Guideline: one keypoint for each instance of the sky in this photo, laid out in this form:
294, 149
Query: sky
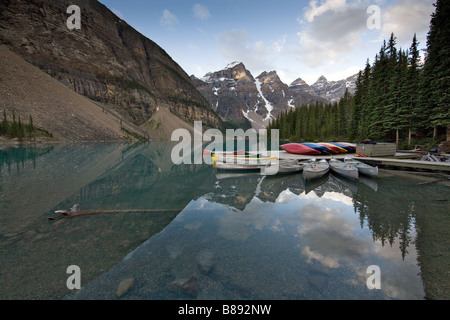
297, 39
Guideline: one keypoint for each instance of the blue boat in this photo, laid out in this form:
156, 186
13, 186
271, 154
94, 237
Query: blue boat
317, 147
349, 149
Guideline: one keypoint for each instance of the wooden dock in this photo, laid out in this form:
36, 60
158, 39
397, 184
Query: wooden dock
400, 160
406, 163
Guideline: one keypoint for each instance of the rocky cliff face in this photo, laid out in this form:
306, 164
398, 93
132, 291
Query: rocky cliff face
106, 60
231, 92
333, 91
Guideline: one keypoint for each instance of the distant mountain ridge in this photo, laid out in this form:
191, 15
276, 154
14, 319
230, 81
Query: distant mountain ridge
235, 94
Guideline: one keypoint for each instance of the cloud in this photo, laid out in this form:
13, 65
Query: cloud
280, 44
237, 45
168, 19
201, 12
329, 5
406, 17
332, 29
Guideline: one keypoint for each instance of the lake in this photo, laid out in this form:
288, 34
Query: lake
191, 232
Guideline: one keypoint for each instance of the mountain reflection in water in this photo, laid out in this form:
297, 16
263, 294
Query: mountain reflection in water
236, 236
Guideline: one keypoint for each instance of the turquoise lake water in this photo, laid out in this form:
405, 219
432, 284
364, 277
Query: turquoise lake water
216, 235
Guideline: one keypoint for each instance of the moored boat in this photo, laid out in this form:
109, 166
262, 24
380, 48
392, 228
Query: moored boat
286, 167
266, 168
363, 168
316, 146
313, 169
299, 148
347, 170
330, 149
347, 148
333, 147
352, 146
227, 153
256, 159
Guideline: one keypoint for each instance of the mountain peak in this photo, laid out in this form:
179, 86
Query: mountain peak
271, 74
298, 82
269, 77
234, 64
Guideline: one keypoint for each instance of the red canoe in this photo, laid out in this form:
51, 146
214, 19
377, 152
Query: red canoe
333, 148
299, 148
330, 149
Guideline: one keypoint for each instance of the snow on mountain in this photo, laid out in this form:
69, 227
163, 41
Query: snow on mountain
333, 91
268, 106
236, 95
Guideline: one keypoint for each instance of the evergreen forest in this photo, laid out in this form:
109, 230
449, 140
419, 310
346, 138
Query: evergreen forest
400, 97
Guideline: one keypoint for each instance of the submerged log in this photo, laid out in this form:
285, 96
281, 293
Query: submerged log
434, 181
64, 215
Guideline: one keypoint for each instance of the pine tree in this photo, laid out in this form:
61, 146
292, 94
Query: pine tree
20, 130
437, 67
298, 123
30, 126
14, 129
377, 95
413, 87
356, 112
4, 125
342, 114
394, 95
397, 110
363, 100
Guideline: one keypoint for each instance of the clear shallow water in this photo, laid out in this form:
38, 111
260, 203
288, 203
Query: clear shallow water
226, 236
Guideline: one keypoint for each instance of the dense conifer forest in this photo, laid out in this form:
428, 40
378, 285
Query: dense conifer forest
401, 96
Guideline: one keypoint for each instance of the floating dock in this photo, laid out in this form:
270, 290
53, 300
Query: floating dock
400, 160
405, 163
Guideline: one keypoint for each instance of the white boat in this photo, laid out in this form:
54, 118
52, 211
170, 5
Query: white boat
288, 167
253, 159
363, 168
266, 168
347, 170
223, 153
313, 169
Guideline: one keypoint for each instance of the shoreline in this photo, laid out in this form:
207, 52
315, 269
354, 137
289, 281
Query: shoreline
39, 141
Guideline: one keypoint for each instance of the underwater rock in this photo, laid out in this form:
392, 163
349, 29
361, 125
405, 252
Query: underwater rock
124, 287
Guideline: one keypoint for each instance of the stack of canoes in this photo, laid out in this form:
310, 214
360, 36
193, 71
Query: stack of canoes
309, 148
300, 148
350, 168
